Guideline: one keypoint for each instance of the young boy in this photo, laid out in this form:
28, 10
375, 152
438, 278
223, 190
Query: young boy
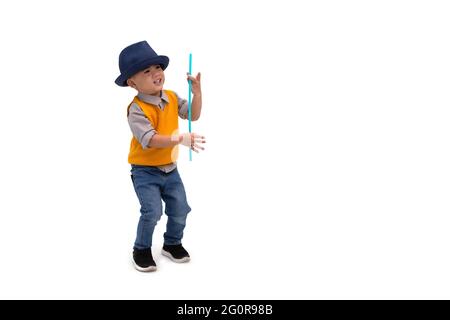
153, 119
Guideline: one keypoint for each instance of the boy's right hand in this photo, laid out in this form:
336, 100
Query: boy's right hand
192, 140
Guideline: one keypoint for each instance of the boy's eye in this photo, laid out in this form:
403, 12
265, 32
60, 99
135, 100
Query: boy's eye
147, 71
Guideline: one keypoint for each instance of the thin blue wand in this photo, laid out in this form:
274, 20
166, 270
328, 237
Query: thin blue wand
190, 102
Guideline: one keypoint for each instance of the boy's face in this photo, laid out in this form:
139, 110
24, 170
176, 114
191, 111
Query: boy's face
149, 81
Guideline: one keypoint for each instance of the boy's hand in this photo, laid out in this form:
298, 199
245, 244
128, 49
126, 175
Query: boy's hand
196, 85
190, 140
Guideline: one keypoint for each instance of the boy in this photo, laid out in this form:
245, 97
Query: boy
153, 119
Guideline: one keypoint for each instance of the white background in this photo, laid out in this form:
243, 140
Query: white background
326, 173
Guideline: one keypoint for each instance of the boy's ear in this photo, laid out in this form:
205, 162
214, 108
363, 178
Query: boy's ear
131, 83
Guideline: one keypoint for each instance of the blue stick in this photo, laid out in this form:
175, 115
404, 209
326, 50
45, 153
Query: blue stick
189, 102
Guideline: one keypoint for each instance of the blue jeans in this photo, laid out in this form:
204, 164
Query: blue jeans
152, 185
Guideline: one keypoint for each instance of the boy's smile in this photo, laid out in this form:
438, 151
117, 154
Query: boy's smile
149, 81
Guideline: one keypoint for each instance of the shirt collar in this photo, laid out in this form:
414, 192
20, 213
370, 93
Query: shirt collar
155, 100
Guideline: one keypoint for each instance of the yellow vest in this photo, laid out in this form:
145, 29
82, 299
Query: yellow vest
165, 122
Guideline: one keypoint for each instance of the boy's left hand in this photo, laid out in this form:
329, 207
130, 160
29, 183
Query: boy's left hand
196, 86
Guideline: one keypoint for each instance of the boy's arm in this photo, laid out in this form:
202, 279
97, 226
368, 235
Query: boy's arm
140, 126
148, 137
144, 131
162, 141
190, 140
196, 106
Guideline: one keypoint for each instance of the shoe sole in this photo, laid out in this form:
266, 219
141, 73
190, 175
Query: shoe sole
147, 269
168, 255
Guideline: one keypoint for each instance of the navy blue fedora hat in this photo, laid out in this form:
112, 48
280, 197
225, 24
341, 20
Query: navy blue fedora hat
135, 58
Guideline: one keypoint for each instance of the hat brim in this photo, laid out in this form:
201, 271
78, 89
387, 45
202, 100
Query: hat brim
121, 80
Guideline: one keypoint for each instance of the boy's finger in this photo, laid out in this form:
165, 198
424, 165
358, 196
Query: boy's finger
202, 140
197, 146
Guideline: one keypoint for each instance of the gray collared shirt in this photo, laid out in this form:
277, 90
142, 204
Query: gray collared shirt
141, 126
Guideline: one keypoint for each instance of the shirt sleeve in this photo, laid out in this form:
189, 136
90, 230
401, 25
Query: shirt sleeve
182, 107
140, 125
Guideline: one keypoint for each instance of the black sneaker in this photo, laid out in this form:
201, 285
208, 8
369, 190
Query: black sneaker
176, 253
143, 260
